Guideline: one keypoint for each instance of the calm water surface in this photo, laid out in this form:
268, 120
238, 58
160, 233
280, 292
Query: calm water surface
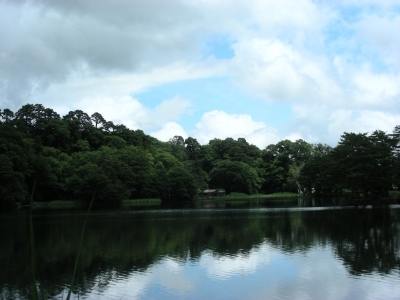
220, 252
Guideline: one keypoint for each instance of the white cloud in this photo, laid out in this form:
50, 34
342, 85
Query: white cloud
294, 136
377, 36
133, 114
83, 85
337, 120
376, 90
333, 67
368, 121
168, 131
124, 110
333, 92
219, 124
275, 71
170, 109
263, 137
322, 124
265, 67
292, 17
361, 121
46, 41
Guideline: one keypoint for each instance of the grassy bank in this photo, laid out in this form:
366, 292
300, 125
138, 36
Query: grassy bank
394, 194
58, 204
141, 202
242, 196
236, 197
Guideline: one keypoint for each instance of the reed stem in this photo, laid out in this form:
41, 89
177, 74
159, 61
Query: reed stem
35, 295
80, 247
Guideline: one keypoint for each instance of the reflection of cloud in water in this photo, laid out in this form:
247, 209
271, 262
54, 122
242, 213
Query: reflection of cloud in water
131, 287
225, 267
170, 274
265, 270
167, 273
319, 276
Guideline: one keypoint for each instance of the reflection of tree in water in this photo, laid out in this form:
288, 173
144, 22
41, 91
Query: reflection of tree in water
366, 240
289, 232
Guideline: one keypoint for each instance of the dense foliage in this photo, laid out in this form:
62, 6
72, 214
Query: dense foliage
70, 157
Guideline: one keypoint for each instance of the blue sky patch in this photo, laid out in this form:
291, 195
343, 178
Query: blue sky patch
215, 94
219, 46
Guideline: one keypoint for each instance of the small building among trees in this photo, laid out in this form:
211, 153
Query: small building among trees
214, 192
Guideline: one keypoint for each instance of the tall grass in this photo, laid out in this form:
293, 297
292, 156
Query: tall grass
35, 292
78, 254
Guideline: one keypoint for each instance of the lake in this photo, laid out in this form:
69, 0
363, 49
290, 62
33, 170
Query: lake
214, 250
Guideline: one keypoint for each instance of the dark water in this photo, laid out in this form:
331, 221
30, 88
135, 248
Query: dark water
223, 252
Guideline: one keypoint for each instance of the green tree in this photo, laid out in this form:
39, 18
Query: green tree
234, 176
294, 176
314, 175
58, 164
233, 150
193, 149
364, 164
6, 116
140, 164
180, 185
97, 119
55, 133
114, 142
32, 119
108, 127
81, 117
13, 146
383, 161
283, 163
193, 165
101, 170
177, 144
396, 156
12, 189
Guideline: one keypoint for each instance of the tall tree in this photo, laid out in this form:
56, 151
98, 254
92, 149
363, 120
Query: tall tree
33, 118
6, 116
177, 144
12, 189
193, 148
283, 163
80, 116
97, 120
180, 185
364, 164
396, 154
234, 176
314, 175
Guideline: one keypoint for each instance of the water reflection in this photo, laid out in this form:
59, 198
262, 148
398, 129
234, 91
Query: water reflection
269, 203
200, 253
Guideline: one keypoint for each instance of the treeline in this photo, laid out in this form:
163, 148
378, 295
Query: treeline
69, 157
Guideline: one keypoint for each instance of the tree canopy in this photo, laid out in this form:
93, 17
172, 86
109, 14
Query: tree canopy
71, 156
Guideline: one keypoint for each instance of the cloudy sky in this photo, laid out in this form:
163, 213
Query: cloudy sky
265, 70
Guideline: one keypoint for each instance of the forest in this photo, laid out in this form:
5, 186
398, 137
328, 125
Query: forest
70, 157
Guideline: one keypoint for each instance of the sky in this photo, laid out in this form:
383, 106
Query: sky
263, 70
